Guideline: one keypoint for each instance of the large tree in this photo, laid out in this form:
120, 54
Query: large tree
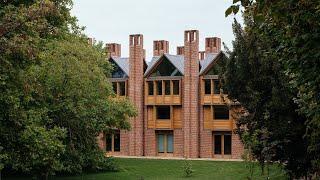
55, 96
286, 36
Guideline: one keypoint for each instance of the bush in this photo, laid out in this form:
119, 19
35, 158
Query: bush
188, 171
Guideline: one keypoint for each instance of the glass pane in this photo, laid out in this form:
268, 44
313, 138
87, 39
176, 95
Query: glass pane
163, 112
122, 86
221, 112
207, 86
227, 144
176, 87
167, 87
159, 87
160, 143
170, 143
216, 87
217, 144
114, 87
108, 142
150, 87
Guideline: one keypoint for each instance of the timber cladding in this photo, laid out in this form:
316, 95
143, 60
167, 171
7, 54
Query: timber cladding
181, 109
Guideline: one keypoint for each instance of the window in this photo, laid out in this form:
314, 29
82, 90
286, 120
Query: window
122, 88
159, 87
150, 88
176, 87
113, 142
167, 87
222, 143
163, 112
165, 142
119, 88
216, 85
207, 86
114, 87
220, 112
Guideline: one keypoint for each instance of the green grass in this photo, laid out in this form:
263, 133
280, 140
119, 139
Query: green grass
173, 169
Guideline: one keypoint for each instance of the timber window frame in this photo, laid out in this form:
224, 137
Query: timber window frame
120, 88
113, 141
221, 112
222, 143
165, 142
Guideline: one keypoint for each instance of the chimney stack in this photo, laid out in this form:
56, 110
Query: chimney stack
91, 41
213, 45
160, 47
113, 50
201, 55
190, 93
180, 50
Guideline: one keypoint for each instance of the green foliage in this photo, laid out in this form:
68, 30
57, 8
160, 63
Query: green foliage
286, 35
187, 168
55, 97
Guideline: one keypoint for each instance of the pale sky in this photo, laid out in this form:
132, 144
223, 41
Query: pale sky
114, 20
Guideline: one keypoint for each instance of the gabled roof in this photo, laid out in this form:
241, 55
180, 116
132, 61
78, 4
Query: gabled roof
176, 60
123, 63
208, 61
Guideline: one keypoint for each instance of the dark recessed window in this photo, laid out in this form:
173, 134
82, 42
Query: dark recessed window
150, 88
159, 87
207, 86
114, 87
167, 87
163, 112
109, 142
116, 141
216, 86
217, 144
227, 144
165, 143
113, 142
122, 88
221, 112
176, 87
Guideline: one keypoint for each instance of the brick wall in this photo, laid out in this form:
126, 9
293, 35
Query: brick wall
136, 60
190, 94
160, 47
113, 50
213, 45
237, 147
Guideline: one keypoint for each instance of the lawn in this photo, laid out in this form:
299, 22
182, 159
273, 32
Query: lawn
173, 169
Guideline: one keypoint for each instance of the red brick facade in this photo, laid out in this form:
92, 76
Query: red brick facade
192, 139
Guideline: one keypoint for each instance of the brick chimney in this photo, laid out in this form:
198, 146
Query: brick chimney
160, 47
180, 50
213, 45
190, 89
136, 81
113, 49
201, 55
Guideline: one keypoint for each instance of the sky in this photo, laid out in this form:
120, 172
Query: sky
112, 21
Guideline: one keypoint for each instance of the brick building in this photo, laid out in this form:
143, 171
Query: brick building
182, 111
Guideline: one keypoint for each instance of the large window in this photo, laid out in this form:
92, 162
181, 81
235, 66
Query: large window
163, 112
167, 87
216, 87
220, 113
207, 86
113, 142
165, 142
159, 87
222, 143
150, 88
176, 87
119, 88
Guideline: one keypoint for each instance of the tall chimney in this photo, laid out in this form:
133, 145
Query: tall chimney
136, 81
213, 45
113, 50
180, 50
190, 89
91, 41
201, 55
160, 47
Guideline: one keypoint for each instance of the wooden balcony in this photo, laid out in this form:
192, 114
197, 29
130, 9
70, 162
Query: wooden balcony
172, 122
217, 124
163, 91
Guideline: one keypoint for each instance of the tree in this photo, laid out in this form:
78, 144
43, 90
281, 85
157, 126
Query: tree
257, 80
294, 29
54, 91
